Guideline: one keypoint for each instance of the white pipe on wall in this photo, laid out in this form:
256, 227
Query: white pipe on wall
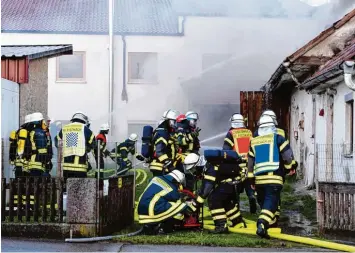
111, 8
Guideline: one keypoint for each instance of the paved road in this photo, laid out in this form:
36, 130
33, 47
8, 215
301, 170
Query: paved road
37, 245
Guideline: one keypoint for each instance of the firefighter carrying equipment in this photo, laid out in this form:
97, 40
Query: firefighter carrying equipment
160, 200
219, 187
123, 150
164, 150
78, 140
101, 137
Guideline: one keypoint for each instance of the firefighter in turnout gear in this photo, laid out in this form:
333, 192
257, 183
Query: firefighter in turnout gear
160, 207
123, 150
104, 130
265, 173
238, 139
220, 178
283, 134
49, 165
19, 148
164, 145
39, 146
78, 140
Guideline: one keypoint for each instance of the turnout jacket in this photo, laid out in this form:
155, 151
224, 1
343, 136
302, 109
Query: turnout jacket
186, 141
265, 156
159, 201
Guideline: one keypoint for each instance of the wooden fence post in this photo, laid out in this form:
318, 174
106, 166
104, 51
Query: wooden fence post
44, 199
3, 198
11, 203
60, 199
36, 199
28, 198
52, 200
19, 199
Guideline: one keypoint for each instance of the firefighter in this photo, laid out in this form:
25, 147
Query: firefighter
39, 146
238, 139
188, 133
164, 144
283, 134
160, 207
104, 130
78, 141
18, 146
265, 173
48, 165
220, 177
123, 150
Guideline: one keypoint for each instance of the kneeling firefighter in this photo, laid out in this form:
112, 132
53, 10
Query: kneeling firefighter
160, 207
265, 173
161, 147
220, 178
238, 139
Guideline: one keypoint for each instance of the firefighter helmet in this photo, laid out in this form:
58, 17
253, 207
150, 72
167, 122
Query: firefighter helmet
192, 117
180, 118
133, 137
190, 162
271, 114
178, 176
80, 116
28, 118
171, 116
103, 127
266, 121
37, 116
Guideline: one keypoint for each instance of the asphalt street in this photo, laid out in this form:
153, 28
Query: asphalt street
38, 245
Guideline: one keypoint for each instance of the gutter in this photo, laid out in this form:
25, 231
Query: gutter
124, 95
322, 78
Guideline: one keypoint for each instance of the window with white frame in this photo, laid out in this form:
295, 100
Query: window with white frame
349, 127
71, 68
142, 67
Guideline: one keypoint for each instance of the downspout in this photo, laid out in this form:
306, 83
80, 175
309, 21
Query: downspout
111, 61
349, 70
124, 95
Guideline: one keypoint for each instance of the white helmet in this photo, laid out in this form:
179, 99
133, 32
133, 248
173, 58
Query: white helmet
178, 176
103, 127
80, 116
192, 117
266, 121
28, 118
237, 120
190, 162
271, 114
171, 115
37, 116
133, 137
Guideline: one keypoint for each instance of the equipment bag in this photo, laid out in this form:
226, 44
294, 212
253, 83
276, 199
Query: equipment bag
147, 139
222, 156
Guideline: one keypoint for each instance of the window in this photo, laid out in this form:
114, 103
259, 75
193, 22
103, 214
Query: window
71, 68
142, 67
349, 127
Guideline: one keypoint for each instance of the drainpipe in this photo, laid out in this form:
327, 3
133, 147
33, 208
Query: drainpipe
124, 95
349, 70
111, 61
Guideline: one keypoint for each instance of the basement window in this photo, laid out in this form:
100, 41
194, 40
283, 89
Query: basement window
349, 128
71, 68
142, 68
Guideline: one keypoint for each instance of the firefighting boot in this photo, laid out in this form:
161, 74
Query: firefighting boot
252, 205
239, 223
220, 227
262, 231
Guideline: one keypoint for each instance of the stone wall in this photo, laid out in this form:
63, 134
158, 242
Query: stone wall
34, 94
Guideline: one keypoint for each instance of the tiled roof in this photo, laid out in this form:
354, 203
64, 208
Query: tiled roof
88, 16
34, 52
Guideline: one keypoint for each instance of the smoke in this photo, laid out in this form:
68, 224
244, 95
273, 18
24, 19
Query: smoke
240, 50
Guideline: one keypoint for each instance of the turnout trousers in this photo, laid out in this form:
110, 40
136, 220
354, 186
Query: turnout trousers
268, 196
223, 205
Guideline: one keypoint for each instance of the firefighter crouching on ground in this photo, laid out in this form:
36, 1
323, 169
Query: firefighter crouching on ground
160, 207
164, 145
221, 175
39, 146
238, 139
123, 150
78, 141
104, 130
19, 144
283, 134
265, 173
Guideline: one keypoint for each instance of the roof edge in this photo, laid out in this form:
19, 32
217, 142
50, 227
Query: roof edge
65, 49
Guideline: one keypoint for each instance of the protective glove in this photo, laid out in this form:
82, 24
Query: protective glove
129, 164
196, 133
140, 157
168, 165
49, 166
107, 153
